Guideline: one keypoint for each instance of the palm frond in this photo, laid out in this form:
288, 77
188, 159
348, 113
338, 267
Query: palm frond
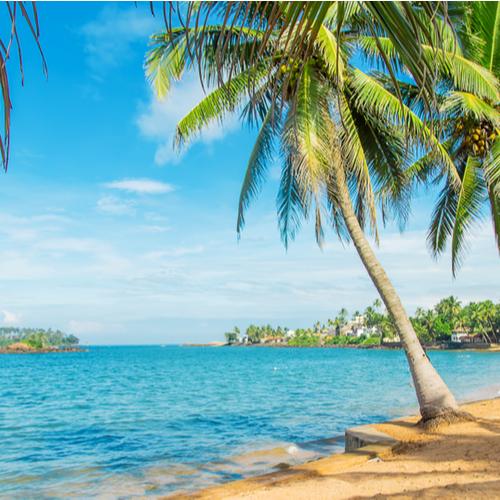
15, 10
467, 104
442, 220
216, 105
303, 141
305, 127
164, 64
292, 202
257, 167
491, 169
470, 198
387, 155
331, 54
293, 28
354, 154
465, 74
372, 97
482, 35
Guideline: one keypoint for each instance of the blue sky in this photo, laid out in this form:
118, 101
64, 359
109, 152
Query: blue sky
108, 234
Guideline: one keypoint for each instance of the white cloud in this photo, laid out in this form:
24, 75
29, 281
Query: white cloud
176, 252
109, 39
140, 186
159, 120
73, 244
155, 229
10, 318
115, 206
78, 327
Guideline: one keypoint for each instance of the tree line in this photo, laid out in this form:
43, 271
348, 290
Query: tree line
432, 325
37, 338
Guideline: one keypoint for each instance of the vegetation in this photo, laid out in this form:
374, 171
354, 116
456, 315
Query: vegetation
468, 118
344, 135
374, 327
37, 338
475, 318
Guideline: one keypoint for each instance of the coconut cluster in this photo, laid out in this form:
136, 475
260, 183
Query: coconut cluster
478, 136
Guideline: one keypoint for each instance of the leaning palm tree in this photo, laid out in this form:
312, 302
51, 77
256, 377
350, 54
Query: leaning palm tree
341, 134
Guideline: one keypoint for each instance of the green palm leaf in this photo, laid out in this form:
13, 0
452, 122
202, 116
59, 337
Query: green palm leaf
442, 220
327, 43
372, 97
292, 202
483, 36
352, 149
464, 103
491, 168
470, 199
257, 167
465, 74
304, 144
216, 105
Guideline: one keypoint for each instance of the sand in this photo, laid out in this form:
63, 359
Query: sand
457, 461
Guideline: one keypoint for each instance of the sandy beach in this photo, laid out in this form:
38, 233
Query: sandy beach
457, 461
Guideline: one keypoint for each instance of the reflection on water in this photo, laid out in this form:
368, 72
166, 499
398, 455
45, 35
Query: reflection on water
136, 421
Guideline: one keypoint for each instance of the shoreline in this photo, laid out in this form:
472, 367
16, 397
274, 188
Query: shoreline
396, 444
457, 348
42, 351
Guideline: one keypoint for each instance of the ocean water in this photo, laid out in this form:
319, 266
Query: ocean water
147, 421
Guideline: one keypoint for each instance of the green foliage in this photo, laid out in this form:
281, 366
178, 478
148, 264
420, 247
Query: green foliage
314, 109
431, 325
369, 341
36, 337
448, 315
233, 337
304, 338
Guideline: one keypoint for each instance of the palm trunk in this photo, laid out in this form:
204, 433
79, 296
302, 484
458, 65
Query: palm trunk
434, 397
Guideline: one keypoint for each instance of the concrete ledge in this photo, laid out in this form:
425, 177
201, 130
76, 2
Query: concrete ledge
365, 435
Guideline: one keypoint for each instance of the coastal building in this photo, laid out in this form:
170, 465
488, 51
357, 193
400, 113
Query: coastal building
358, 328
459, 336
465, 338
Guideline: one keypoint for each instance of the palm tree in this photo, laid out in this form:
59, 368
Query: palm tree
339, 132
470, 129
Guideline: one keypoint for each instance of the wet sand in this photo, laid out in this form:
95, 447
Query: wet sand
457, 461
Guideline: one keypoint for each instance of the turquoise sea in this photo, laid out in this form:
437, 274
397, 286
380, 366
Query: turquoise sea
149, 420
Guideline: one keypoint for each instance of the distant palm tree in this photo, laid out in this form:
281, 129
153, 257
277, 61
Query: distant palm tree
341, 134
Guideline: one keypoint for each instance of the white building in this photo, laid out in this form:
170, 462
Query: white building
459, 336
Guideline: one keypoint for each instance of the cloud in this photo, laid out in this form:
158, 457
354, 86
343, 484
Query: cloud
141, 186
155, 229
78, 327
159, 120
73, 244
176, 252
111, 37
115, 206
10, 318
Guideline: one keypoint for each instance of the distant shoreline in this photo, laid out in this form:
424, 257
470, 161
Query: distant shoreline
387, 347
42, 351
